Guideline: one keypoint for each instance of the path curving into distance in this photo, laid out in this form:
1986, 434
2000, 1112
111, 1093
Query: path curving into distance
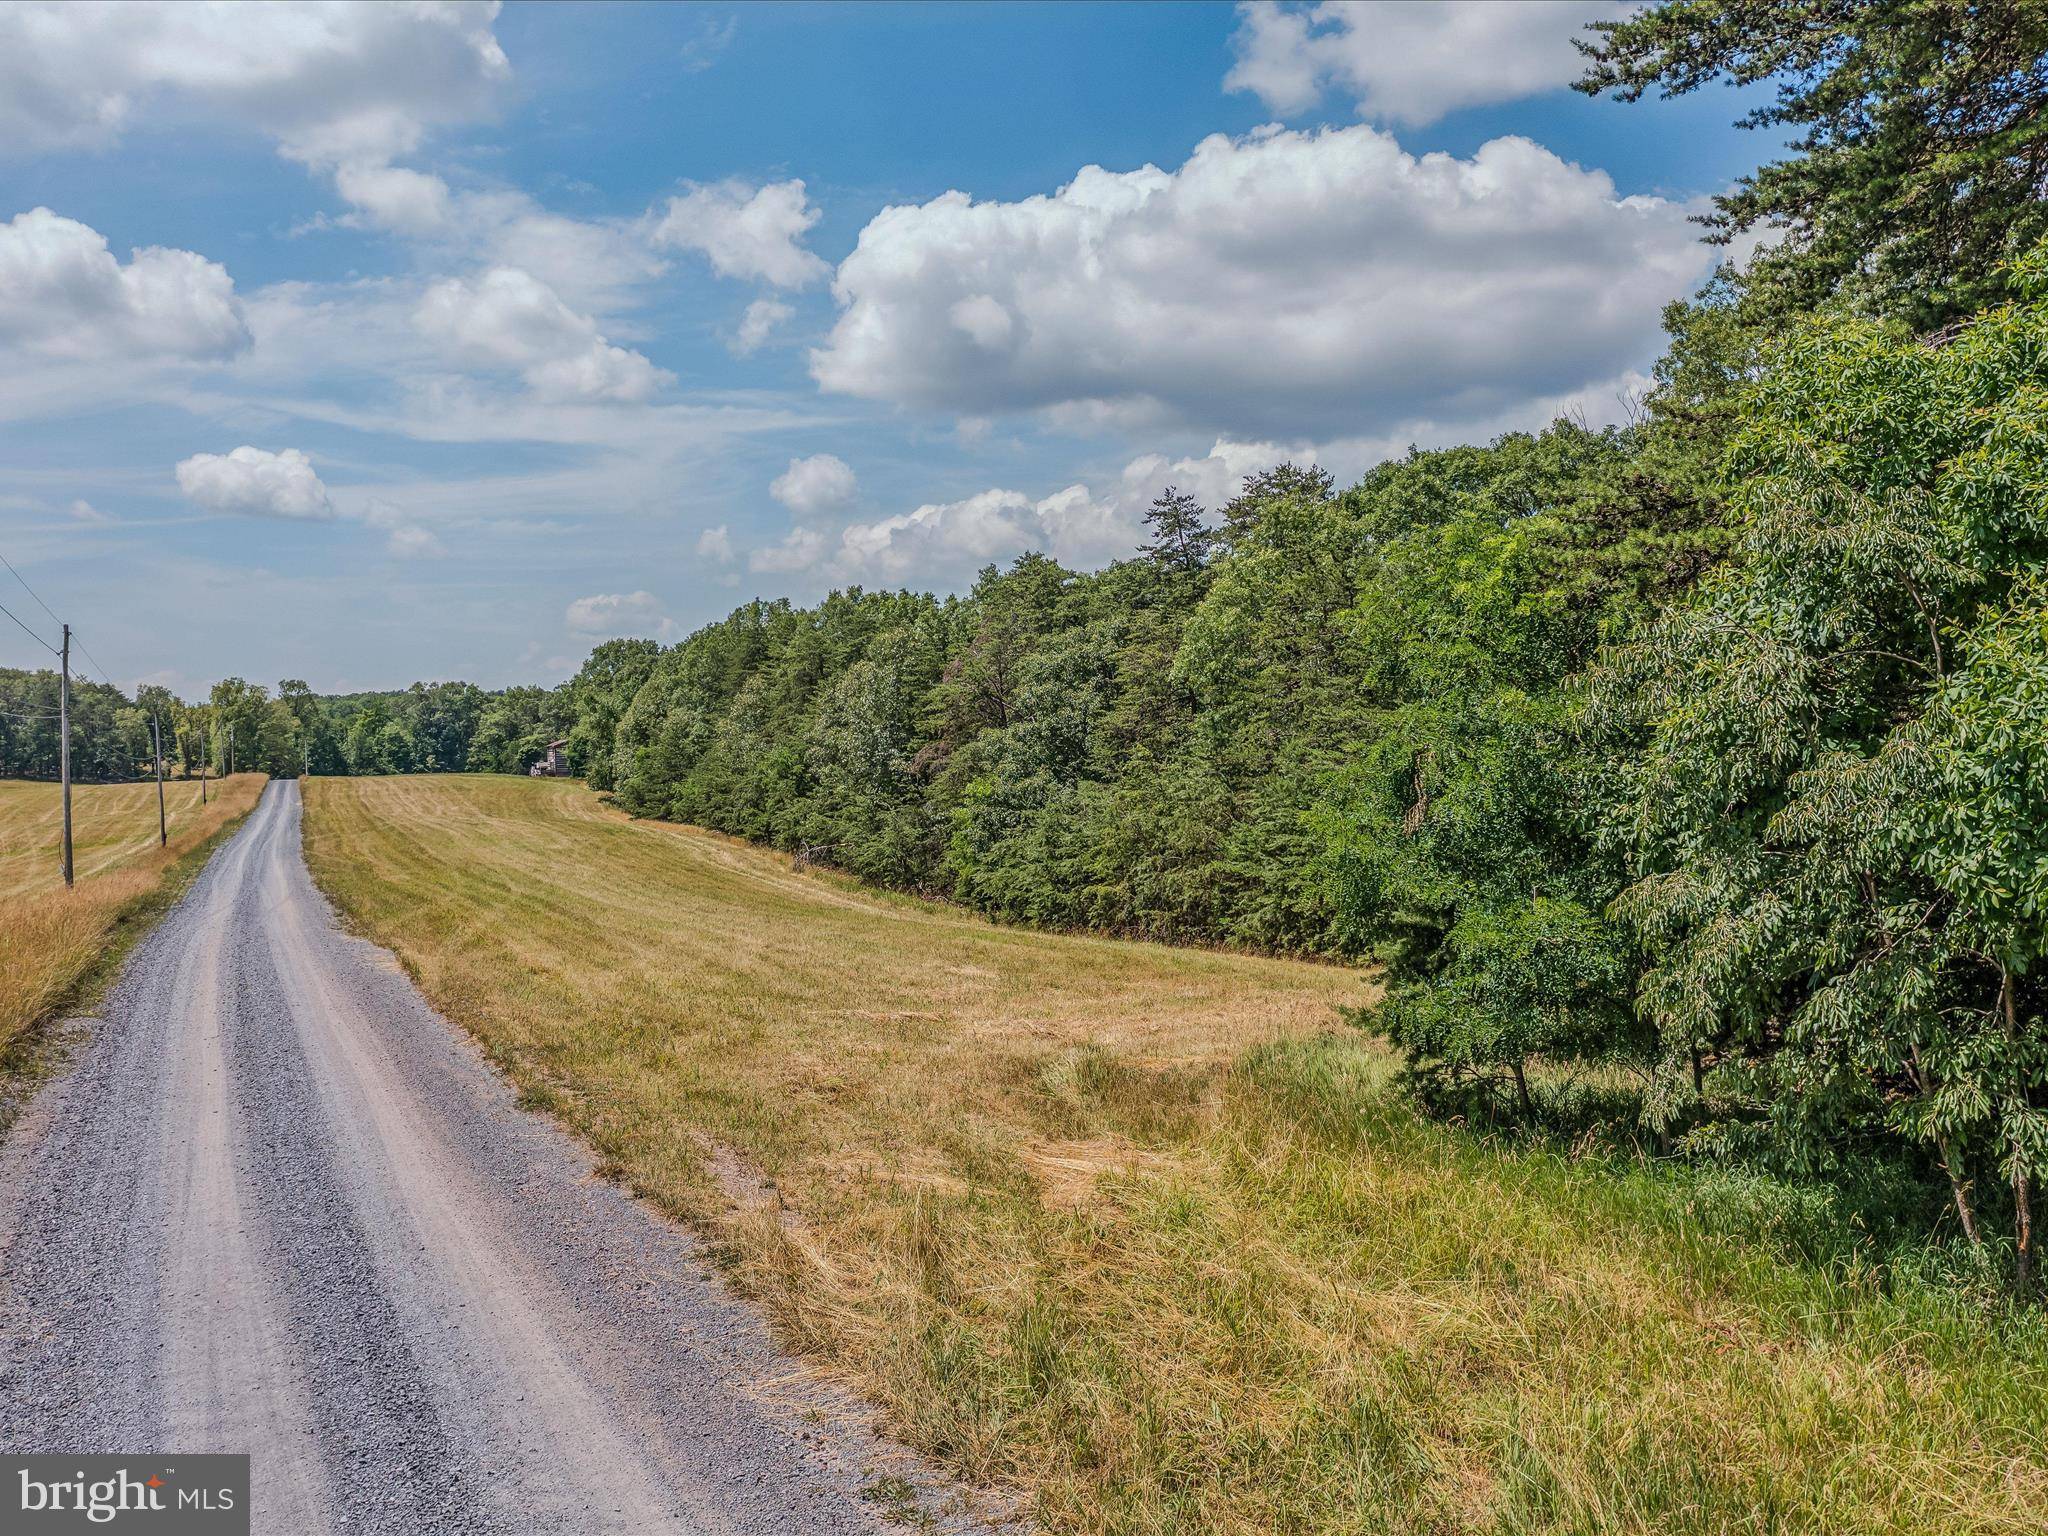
277, 1204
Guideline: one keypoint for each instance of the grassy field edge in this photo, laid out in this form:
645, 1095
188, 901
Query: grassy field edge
35, 1050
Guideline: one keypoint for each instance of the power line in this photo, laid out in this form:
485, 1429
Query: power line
64, 711
39, 640
105, 676
31, 591
95, 673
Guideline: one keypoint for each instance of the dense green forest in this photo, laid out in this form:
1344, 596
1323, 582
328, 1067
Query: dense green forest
1696, 766
109, 734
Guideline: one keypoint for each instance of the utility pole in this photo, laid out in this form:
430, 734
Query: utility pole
64, 744
156, 737
205, 762
231, 749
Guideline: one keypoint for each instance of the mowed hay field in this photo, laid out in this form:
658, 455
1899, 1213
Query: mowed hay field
1144, 1234
50, 937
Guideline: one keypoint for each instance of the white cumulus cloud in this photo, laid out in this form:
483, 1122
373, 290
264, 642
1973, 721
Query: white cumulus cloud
395, 197
64, 295
974, 530
715, 544
758, 324
618, 613
1410, 61
1327, 282
800, 550
942, 543
508, 318
746, 231
329, 78
257, 483
813, 485
341, 87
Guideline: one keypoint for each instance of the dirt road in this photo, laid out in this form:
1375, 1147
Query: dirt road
277, 1205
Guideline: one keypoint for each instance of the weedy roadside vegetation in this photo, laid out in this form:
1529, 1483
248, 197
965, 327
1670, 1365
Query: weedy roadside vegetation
53, 942
1144, 1233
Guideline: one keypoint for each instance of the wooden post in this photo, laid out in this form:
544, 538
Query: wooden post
64, 744
156, 739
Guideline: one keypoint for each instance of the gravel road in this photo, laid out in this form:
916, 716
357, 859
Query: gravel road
277, 1204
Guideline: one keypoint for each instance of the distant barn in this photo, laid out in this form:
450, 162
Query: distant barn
555, 763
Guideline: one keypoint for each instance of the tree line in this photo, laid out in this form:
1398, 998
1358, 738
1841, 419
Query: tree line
239, 726
1693, 772
442, 727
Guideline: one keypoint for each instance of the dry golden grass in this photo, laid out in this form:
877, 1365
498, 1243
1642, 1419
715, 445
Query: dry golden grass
50, 938
1137, 1231
649, 967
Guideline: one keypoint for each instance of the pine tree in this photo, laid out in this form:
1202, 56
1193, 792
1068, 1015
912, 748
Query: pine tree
1181, 536
1923, 142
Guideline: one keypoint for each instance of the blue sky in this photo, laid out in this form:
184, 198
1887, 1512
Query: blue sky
366, 344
